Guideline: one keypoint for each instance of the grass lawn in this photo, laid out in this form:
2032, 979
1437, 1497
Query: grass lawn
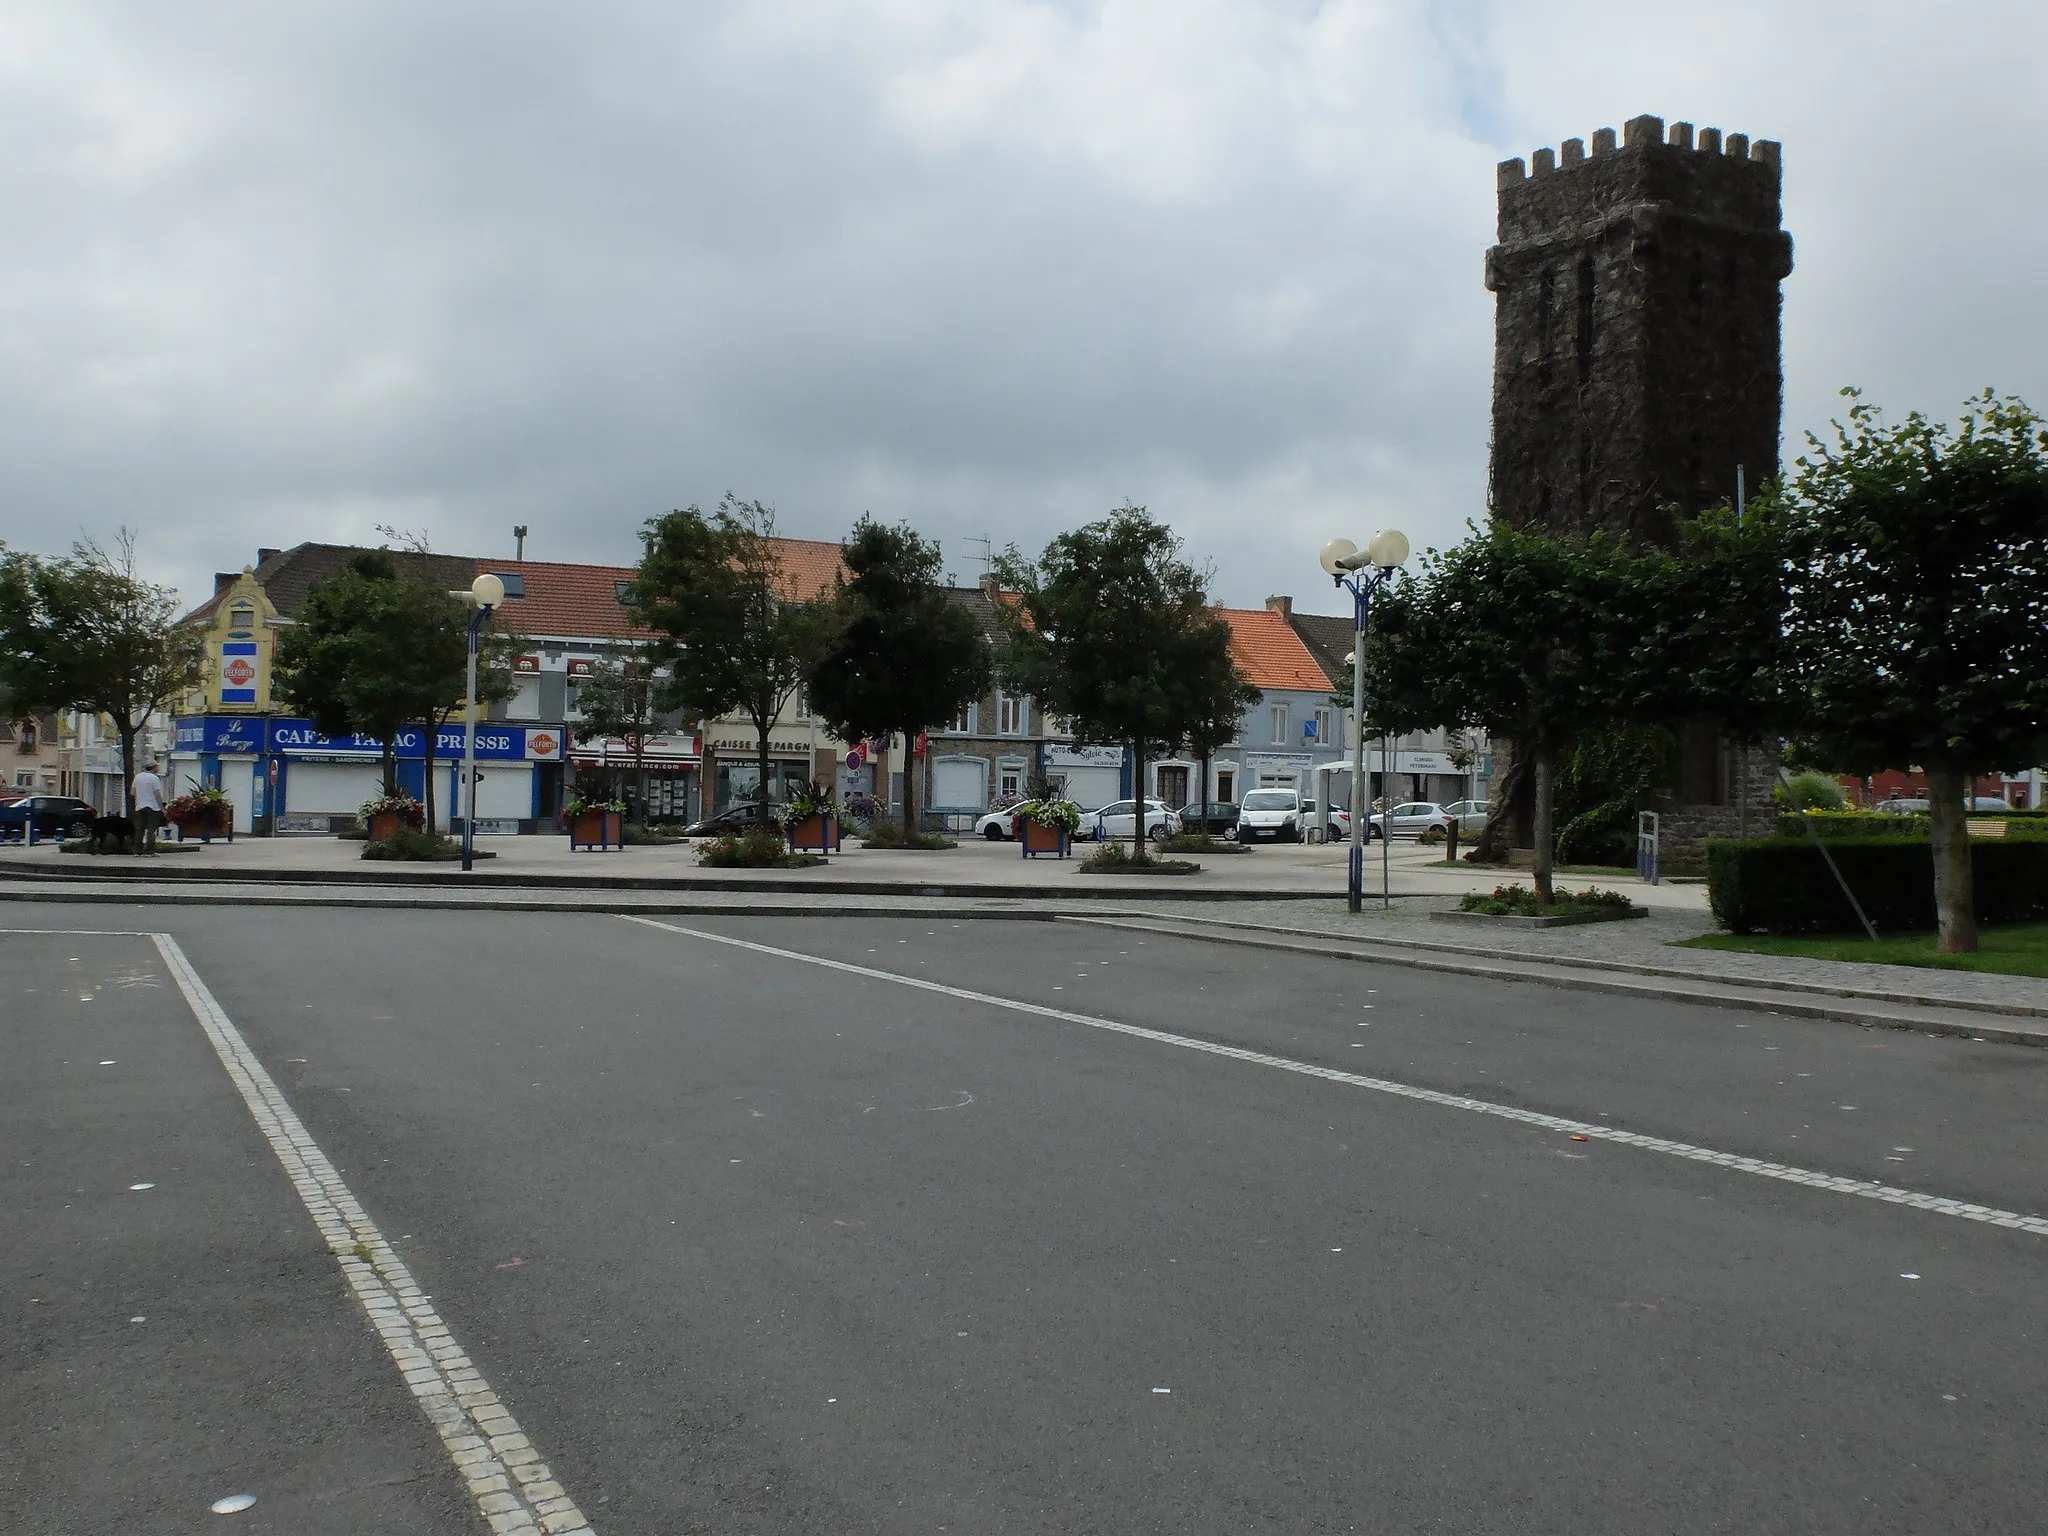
2012, 949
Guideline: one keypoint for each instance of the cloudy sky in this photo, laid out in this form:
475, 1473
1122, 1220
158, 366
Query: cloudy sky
288, 271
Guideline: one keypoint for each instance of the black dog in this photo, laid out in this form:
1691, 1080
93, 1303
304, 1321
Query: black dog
112, 834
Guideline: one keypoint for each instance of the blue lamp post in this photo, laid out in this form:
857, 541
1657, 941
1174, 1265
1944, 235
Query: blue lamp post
484, 594
1363, 572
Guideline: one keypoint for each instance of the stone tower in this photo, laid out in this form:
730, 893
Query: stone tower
1636, 358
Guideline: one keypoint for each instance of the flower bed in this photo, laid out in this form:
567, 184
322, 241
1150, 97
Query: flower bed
385, 815
759, 848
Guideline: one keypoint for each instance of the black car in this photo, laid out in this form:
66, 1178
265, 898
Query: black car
1220, 822
741, 818
51, 815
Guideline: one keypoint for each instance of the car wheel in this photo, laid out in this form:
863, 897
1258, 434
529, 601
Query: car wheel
994, 834
1158, 834
78, 829
1432, 834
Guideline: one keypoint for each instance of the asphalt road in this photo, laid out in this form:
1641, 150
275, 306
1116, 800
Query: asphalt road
754, 1244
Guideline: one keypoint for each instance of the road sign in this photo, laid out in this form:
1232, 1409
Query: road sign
856, 756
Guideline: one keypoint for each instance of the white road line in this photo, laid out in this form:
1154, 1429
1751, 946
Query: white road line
512, 1486
1833, 1183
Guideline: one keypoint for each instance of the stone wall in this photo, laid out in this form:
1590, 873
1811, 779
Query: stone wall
1636, 329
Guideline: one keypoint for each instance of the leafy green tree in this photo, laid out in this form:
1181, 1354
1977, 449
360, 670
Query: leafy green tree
617, 699
87, 632
1916, 619
1106, 619
1213, 698
1529, 636
370, 653
734, 635
903, 656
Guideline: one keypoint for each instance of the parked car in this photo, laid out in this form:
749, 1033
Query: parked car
1469, 814
51, 816
741, 818
1119, 818
1418, 818
1270, 815
1220, 821
1989, 803
1340, 821
1902, 807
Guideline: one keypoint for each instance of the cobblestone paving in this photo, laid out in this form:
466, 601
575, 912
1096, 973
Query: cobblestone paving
1646, 941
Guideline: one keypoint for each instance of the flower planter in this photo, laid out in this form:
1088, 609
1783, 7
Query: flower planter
384, 824
1036, 838
206, 830
814, 834
597, 829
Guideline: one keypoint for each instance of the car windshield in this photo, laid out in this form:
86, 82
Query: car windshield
1270, 800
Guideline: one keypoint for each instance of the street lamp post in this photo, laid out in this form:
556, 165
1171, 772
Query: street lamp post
484, 594
1364, 572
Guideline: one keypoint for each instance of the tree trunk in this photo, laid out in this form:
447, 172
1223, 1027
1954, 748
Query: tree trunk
1498, 836
1205, 794
761, 761
1955, 902
125, 732
389, 756
427, 777
1138, 806
909, 787
641, 758
1543, 839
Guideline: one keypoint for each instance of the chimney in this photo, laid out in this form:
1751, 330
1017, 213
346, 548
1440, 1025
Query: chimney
991, 584
1284, 606
264, 554
222, 580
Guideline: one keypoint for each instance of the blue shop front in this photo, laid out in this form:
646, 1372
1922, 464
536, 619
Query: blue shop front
283, 775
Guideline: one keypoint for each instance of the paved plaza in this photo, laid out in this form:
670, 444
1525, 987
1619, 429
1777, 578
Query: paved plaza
465, 1221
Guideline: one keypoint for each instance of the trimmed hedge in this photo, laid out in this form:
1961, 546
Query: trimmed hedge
1782, 885
1835, 826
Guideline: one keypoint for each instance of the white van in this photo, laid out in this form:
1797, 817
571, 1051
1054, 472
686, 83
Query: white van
1269, 813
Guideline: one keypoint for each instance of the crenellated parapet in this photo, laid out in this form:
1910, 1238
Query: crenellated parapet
1640, 133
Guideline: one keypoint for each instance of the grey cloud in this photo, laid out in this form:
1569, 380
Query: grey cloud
281, 273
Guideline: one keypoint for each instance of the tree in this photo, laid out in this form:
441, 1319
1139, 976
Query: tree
1214, 697
1531, 636
370, 653
87, 632
1105, 619
1917, 612
903, 656
735, 636
617, 699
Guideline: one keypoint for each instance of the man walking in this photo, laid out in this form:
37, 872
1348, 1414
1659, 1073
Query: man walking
149, 808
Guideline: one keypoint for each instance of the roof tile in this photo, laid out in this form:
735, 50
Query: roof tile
1269, 653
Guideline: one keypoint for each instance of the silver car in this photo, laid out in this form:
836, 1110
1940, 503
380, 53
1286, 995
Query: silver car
1470, 815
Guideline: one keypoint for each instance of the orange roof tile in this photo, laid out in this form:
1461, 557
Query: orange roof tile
1269, 653
579, 602
582, 601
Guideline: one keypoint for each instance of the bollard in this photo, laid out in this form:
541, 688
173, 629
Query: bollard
1451, 842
